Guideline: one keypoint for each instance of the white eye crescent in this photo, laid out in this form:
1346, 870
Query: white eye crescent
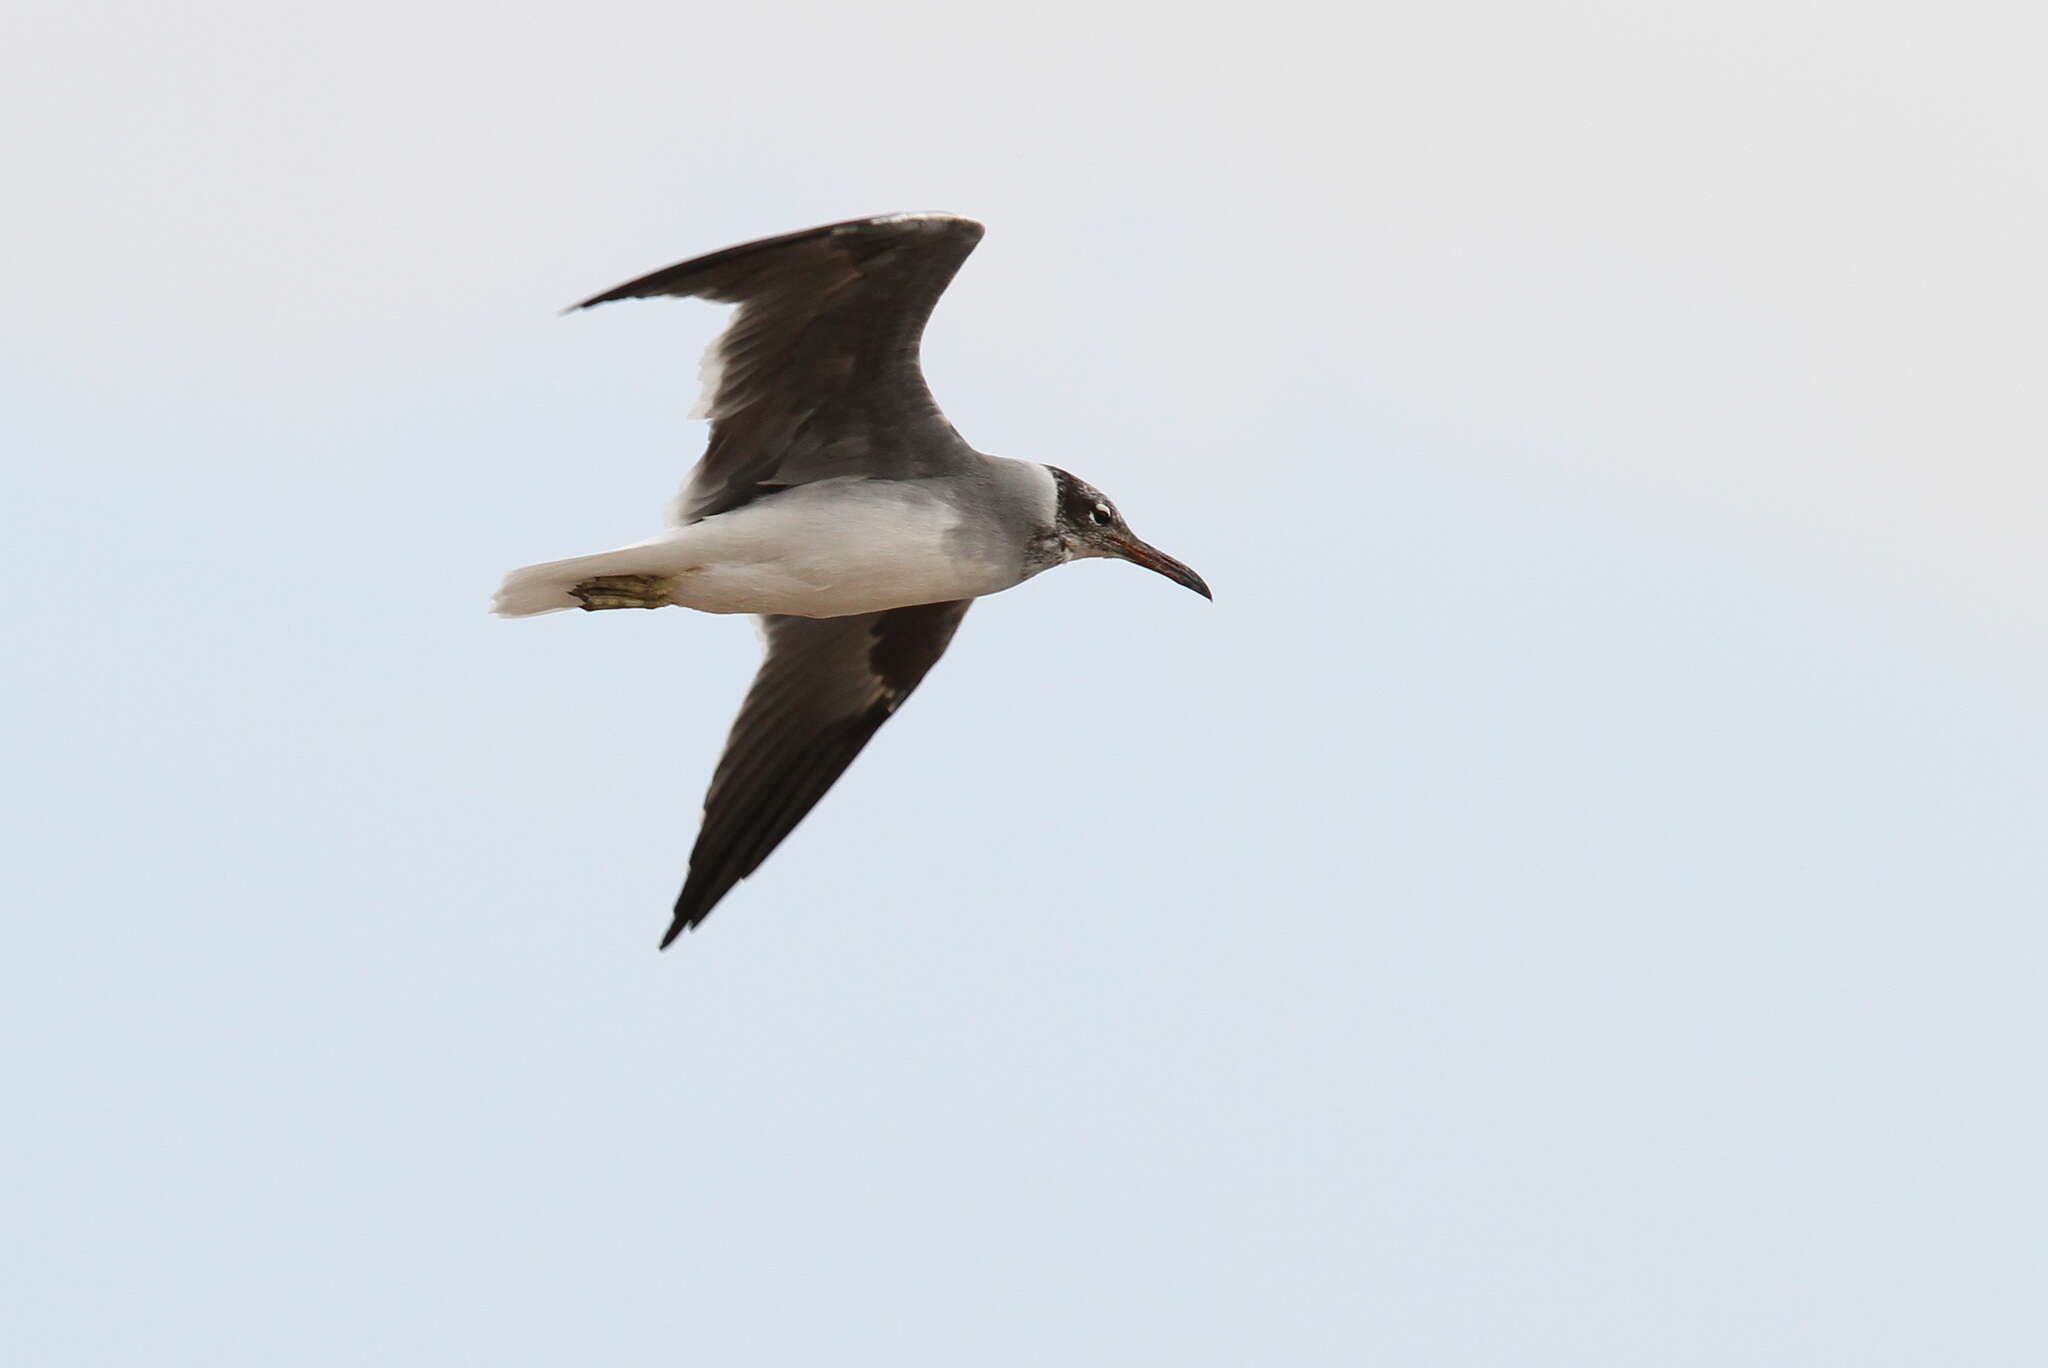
1101, 515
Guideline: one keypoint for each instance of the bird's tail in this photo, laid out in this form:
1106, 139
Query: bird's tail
545, 588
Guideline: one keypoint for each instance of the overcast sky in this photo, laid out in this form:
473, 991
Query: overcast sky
1574, 898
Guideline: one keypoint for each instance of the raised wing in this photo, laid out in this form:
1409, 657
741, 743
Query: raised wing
825, 689
819, 365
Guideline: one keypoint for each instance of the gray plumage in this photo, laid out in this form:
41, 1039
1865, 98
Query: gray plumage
836, 502
818, 369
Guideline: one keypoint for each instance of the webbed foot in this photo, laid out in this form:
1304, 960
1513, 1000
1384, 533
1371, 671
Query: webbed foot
624, 591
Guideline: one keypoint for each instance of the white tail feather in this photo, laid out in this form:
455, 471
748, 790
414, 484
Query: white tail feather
545, 588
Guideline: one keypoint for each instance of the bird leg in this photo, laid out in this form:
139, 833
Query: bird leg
625, 591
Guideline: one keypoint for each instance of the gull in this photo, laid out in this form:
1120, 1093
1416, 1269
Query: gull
836, 504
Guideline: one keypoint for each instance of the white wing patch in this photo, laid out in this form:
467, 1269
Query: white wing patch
710, 375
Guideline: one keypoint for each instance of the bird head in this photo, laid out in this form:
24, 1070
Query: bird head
1088, 524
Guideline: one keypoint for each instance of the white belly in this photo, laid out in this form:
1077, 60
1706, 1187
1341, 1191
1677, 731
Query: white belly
828, 550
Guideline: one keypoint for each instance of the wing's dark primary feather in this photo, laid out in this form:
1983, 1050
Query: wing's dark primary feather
825, 689
819, 365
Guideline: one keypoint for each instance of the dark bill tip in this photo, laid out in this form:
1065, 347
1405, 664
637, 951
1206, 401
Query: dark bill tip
1157, 561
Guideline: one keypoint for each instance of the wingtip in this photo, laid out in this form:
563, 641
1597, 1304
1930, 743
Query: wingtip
945, 219
692, 273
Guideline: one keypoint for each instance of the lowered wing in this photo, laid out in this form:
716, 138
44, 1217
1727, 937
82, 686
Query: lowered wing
825, 689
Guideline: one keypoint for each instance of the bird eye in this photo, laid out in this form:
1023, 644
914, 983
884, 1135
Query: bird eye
1100, 514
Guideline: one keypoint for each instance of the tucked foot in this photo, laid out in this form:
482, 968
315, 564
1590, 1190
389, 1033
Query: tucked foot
624, 591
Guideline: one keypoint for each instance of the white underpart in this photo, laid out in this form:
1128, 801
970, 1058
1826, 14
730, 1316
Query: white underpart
826, 549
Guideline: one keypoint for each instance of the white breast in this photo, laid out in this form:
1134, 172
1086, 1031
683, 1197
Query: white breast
829, 549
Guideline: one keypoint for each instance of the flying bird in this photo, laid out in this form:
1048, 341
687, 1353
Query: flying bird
836, 503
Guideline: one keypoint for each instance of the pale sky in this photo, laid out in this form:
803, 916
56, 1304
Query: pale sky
1574, 898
